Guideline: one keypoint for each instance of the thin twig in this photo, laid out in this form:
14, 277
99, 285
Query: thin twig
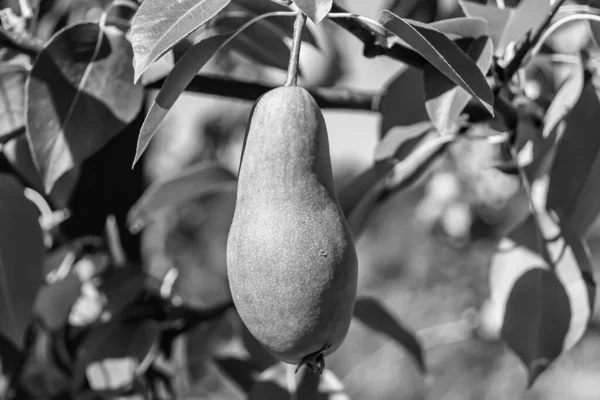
513, 66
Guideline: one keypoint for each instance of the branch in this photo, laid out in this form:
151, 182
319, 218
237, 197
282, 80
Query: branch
366, 35
326, 98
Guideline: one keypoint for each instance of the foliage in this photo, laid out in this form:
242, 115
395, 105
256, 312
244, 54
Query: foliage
97, 320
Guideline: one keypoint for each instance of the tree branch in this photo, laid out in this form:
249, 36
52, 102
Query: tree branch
251, 91
365, 34
21, 43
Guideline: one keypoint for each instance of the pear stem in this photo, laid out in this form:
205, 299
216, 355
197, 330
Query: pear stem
292, 75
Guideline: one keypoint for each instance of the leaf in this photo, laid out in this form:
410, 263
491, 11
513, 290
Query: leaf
12, 98
442, 53
79, 95
545, 310
566, 98
420, 10
445, 101
316, 10
398, 109
10, 361
158, 26
113, 354
361, 195
191, 183
573, 193
527, 15
461, 27
121, 286
280, 382
21, 259
401, 141
497, 19
376, 316
180, 77
241, 371
261, 43
54, 301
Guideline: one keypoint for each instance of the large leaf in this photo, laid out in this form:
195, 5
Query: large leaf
376, 316
573, 191
114, 354
316, 10
80, 94
462, 27
544, 300
191, 183
12, 98
181, 76
21, 259
54, 301
446, 101
158, 26
443, 54
401, 141
398, 109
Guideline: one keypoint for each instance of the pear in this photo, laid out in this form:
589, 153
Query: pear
291, 260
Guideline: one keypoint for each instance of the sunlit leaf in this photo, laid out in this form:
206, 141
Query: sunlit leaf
462, 27
399, 109
446, 101
443, 54
400, 141
158, 26
181, 76
497, 18
192, 183
573, 192
316, 10
12, 98
80, 94
544, 300
21, 259
376, 316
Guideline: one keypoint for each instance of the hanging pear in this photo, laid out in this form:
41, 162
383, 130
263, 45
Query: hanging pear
291, 260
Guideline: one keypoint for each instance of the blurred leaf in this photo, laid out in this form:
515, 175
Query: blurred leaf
274, 383
398, 109
419, 10
573, 193
258, 354
497, 19
262, 43
376, 316
80, 95
10, 362
12, 98
21, 259
508, 25
566, 98
401, 141
361, 195
446, 101
546, 301
180, 77
18, 153
316, 10
191, 183
158, 26
113, 354
595, 31
241, 371
442, 53
54, 301
121, 286
462, 27
43, 373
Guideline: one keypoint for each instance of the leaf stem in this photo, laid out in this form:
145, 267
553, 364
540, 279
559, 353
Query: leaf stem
292, 75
